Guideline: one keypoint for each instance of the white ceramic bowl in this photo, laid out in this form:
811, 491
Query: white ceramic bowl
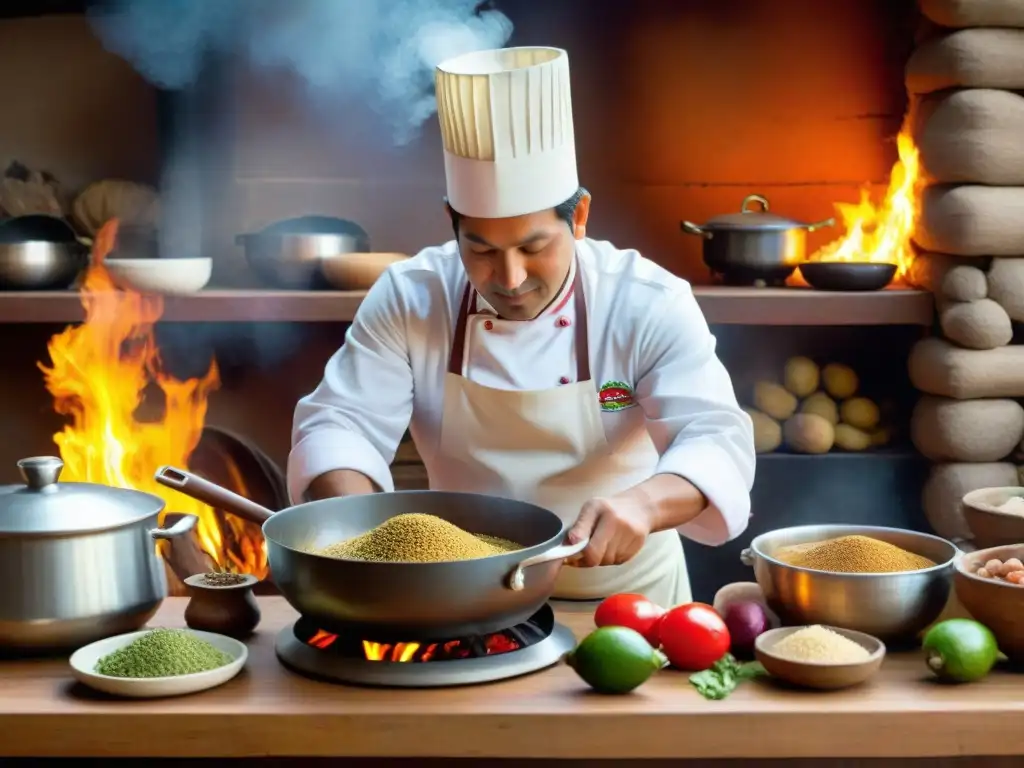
84, 660
161, 275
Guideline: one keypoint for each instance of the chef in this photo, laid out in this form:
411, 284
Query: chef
534, 363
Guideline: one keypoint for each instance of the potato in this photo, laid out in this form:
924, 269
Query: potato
808, 433
851, 439
881, 436
860, 412
822, 405
767, 431
801, 376
840, 380
774, 400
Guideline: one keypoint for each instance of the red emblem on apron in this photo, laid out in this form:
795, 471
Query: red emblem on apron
615, 395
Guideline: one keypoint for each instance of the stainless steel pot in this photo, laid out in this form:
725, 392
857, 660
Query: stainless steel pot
77, 560
288, 254
892, 606
39, 253
753, 247
40, 266
402, 601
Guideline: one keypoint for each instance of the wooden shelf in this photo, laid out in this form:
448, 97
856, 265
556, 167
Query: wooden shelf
802, 306
734, 306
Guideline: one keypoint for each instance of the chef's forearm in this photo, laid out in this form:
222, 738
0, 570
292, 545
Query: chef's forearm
340, 482
671, 500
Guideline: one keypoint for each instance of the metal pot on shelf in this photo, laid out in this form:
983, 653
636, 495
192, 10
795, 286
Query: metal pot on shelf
77, 560
40, 253
753, 247
290, 253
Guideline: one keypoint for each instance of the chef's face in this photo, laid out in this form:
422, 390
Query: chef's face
520, 264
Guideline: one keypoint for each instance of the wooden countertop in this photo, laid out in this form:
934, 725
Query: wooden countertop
268, 711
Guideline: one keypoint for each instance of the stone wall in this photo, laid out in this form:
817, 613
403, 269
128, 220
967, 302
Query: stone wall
966, 79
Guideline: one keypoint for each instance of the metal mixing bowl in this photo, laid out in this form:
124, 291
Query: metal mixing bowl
890, 606
40, 266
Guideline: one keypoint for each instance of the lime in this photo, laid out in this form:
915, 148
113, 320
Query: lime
615, 659
960, 650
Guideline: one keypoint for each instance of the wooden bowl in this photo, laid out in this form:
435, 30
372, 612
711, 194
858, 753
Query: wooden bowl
996, 604
357, 271
990, 526
824, 677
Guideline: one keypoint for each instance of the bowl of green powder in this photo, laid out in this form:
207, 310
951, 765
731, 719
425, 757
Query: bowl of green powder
159, 662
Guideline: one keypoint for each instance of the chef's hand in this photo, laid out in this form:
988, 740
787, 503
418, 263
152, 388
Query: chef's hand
617, 526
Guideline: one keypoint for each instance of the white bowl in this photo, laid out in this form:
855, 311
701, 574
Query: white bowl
84, 660
161, 275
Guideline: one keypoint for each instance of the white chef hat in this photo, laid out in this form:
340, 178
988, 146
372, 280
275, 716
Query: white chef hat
506, 124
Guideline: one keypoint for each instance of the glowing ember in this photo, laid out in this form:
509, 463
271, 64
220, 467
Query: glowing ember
99, 373
882, 233
423, 652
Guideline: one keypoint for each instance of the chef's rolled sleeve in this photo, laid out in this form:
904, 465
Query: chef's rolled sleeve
693, 417
358, 414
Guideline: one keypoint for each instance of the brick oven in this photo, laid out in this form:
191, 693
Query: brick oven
682, 108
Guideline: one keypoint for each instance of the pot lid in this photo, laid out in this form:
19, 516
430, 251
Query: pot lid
45, 506
750, 218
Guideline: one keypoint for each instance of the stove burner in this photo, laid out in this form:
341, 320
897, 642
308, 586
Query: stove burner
533, 645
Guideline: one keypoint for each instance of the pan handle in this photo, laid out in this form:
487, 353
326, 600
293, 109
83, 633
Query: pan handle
819, 224
202, 490
517, 579
693, 229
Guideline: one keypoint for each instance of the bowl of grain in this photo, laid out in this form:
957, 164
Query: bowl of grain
990, 586
816, 656
995, 516
886, 582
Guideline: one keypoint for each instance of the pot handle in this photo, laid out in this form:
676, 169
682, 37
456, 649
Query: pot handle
202, 490
747, 557
517, 579
185, 524
759, 199
694, 229
819, 224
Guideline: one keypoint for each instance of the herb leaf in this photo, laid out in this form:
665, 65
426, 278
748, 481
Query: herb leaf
723, 677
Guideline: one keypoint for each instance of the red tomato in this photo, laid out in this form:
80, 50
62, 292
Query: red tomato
693, 636
633, 611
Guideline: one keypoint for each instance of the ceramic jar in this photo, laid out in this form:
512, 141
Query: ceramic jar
222, 603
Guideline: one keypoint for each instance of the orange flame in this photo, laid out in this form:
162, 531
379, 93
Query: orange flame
883, 233
100, 371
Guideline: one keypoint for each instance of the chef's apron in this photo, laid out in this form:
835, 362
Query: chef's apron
548, 447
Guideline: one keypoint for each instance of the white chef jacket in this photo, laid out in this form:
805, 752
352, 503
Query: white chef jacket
646, 330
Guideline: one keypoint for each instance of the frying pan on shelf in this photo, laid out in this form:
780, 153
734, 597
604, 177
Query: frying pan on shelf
402, 601
847, 275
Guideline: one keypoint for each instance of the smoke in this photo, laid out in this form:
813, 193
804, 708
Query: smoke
380, 53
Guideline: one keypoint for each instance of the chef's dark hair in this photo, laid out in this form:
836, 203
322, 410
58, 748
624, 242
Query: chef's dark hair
566, 211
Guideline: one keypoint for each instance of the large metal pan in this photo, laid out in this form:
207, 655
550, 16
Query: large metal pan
402, 601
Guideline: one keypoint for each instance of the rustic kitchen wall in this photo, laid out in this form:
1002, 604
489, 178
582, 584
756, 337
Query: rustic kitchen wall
969, 74
71, 108
682, 108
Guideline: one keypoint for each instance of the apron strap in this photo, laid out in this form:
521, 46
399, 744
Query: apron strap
468, 306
